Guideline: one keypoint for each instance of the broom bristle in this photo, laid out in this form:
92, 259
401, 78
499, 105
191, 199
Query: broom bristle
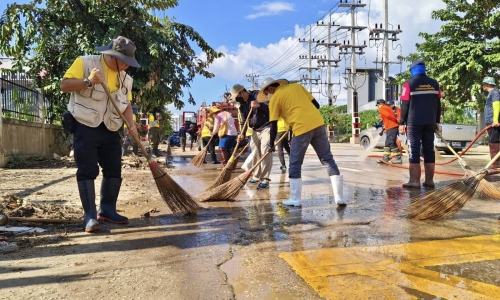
227, 191
486, 189
223, 177
198, 160
443, 202
173, 194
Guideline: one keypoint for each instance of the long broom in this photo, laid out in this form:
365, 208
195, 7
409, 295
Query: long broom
229, 190
485, 188
225, 174
174, 196
446, 201
198, 160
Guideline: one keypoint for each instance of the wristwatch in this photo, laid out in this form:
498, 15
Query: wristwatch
87, 82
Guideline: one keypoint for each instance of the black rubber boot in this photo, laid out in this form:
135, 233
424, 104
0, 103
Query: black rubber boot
396, 156
110, 188
387, 154
135, 149
86, 189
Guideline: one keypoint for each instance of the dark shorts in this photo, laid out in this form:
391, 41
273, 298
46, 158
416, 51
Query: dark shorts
494, 135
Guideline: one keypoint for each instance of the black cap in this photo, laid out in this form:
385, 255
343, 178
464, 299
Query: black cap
380, 101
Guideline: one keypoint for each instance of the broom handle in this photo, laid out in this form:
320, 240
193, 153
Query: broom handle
493, 160
267, 153
244, 126
138, 142
453, 151
241, 152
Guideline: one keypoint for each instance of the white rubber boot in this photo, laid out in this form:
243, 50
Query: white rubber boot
338, 192
295, 192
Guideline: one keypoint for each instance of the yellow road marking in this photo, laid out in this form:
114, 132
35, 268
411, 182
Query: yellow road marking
387, 272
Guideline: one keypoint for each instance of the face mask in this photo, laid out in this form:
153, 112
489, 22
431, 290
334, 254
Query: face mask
269, 95
239, 99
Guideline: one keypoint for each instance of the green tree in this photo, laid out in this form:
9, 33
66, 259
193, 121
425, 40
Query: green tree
464, 51
50, 36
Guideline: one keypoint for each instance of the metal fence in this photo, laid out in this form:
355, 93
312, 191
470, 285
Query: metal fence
20, 100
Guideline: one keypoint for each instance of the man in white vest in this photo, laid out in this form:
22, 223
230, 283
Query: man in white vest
96, 140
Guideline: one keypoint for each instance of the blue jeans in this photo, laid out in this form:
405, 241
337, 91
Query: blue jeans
94, 147
421, 135
227, 142
319, 140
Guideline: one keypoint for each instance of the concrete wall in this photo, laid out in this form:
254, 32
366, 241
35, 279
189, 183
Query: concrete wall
20, 138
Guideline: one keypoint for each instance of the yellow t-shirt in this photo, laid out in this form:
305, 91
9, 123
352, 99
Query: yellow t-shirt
207, 128
282, 125
151, 120
293, 103
76, 71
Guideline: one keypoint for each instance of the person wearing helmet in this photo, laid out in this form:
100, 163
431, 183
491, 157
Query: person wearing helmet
491, 114
299, 109
259, 123
391, 126
421, 113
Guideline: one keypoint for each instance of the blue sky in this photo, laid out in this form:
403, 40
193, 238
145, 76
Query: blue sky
254, 34
262, 36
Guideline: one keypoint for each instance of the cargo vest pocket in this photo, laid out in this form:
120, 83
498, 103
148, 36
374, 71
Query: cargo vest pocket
85, 115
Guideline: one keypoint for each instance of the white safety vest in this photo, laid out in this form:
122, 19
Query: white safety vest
91, 106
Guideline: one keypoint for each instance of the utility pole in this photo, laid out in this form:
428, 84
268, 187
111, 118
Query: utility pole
252, 79
322, 62
309, 57
356, 126
375, 36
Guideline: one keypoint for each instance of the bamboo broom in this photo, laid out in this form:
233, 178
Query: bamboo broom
225, 174
174, 196
198, 160
485, 188
229, 190
446, 201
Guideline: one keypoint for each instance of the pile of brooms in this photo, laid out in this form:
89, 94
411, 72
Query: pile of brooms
174, 196
447, 201
229, 190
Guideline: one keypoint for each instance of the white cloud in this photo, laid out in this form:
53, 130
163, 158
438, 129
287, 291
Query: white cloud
270, 9
284, 54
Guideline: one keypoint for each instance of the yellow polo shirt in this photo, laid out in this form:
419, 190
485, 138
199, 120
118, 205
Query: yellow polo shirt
76, 71
293, 103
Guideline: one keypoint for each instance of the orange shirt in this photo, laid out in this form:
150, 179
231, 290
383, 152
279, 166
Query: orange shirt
398, 113
388, 117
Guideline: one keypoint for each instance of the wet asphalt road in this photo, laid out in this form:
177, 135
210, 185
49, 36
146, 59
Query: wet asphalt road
321, 244
256, 248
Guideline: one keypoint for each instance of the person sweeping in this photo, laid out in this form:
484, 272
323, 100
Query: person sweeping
299, 110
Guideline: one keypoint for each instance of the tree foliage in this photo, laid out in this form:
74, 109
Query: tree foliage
50, 36
464, 51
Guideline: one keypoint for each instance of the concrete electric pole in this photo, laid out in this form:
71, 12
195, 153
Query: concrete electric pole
356, 127
375, 36
309, 57
322, 62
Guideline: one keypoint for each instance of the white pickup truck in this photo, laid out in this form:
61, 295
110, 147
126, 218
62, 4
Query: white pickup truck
458, 136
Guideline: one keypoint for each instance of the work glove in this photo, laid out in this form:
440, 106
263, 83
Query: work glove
270, 147
381, 133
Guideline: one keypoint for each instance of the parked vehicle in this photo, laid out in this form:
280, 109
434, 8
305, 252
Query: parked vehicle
458, 136
174, 139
